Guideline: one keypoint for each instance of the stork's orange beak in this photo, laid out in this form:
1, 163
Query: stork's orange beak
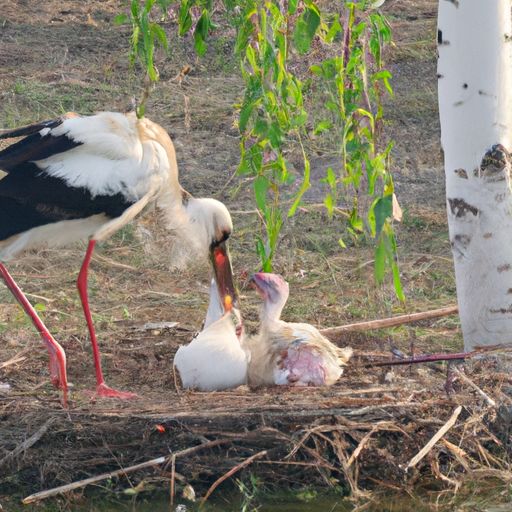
223, 271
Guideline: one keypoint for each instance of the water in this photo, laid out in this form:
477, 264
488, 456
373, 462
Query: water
277, 503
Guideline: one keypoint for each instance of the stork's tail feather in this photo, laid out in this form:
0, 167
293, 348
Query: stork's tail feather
31, 128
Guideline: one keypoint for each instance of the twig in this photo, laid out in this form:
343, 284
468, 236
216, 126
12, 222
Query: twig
15, 359
173, 477
39, 297
103, 259
432, 358
361, 445
468, 381
231, 472
32, 440
390, 322
437, 436
120, 472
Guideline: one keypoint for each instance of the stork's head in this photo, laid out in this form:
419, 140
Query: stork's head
211, 222
274, 291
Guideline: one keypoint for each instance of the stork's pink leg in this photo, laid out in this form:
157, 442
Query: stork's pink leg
102, 390
57, 355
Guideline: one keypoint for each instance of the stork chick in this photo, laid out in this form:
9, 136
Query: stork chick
214, 359
75, 178
286, 353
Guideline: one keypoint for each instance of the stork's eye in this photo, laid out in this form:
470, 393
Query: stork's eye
224, 236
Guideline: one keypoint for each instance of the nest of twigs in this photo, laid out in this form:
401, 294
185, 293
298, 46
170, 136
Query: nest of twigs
376, 429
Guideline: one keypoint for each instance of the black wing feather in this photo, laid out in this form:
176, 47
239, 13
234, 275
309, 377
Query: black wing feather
31, 128
34, 147
31, 198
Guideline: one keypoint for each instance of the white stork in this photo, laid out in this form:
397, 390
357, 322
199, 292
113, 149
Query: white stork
78, 177
286, 353
215, 359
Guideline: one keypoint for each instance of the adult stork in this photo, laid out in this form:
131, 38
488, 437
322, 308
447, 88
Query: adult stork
286, 353
85, 177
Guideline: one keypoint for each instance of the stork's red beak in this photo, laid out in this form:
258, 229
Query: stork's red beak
224, 275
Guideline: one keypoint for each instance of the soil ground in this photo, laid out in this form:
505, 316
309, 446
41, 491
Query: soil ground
68, 56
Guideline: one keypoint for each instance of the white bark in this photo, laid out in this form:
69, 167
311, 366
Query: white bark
475, 104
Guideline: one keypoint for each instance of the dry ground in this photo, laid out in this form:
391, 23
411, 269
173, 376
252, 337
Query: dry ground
67, 55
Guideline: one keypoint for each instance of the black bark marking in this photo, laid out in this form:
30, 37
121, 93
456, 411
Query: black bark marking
461, 173
462, 241
439, 76
503, 268
496, 163
487, 236
508, 38
499, 198
439, 36
459, 245
502, 311
460, 208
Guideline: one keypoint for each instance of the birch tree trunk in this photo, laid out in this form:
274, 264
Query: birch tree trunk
475, 104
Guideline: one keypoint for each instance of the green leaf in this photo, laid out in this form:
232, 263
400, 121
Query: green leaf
134, 8
40, 307
316, 70
305, 29
184, 18
383, 210
329, 204
292, 6
244, 33
275, 135
121, 19
245, 114
380, 261
397, 282
159, 33
303, 188
260, 192
322, 127
252, 58
333, 31
201, 33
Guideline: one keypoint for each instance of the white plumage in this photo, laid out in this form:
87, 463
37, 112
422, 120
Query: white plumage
214, 360
78, 178
287, 353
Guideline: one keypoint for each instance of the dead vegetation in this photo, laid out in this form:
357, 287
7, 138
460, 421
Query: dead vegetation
383, 431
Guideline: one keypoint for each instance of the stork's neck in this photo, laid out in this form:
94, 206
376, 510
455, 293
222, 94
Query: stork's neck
271, 312
215, 307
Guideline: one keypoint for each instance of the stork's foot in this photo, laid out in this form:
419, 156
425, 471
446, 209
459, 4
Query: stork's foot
104, 391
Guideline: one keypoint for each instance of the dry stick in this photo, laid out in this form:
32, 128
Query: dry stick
468, 381
120, 472
173, 476
390, 322
432, 358
231, 472
32, 440
13, 360
361, 445
437, 436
